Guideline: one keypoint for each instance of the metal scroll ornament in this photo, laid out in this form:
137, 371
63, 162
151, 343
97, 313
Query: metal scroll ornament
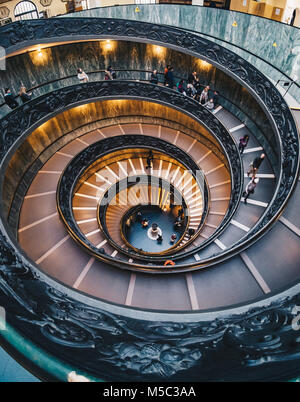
227, 346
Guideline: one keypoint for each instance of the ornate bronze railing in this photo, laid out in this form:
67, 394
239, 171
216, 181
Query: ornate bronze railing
253, 342
161, 95
65, 195
132, 211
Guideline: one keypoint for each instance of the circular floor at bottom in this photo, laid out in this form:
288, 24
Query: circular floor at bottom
145, 238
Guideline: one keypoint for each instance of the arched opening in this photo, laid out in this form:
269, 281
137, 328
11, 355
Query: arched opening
297, 18
25, 10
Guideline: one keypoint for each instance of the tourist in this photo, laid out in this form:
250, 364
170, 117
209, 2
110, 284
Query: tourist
178, 223
159, 238
173, 238
204, 95
254, 166
191, 232
149, 160
250, 188
9, 99
170, 78
165, 74
25, 97
192, 78
154, 77
111, 72
145, 223
198, 88
129, 222
139, 217
154, 228
82, 76
210, 104
191, 90
216, 98
180, 87
243, 143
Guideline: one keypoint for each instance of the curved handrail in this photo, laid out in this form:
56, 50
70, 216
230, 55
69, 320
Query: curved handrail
127, 71
222, 98
234, 65
102, 209
81, 162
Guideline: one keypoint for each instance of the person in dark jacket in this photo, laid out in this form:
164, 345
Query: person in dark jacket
165, 74
243, 143
254, 166
170, 77
112, 72
216, 98
192, 78
25, 97
9, 99
198, 88
154, 77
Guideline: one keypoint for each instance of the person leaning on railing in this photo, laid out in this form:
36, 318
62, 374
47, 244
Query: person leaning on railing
181, 87
10, 99
170, 78
165, 73
154, 77
204, 95
25, 97
82, 76
209, 104
112, 73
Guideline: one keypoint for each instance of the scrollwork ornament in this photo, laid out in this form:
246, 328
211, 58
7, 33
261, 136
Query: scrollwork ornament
113, 346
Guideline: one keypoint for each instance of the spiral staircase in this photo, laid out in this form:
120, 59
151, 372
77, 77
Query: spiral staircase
86, 299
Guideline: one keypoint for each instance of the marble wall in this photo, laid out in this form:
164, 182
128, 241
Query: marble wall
275, 43
32, 69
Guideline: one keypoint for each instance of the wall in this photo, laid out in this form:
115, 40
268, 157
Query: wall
254, 34
61, 61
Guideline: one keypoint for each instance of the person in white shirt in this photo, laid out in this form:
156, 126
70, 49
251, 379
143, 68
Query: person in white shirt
82, 76
250, 188
204, 95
